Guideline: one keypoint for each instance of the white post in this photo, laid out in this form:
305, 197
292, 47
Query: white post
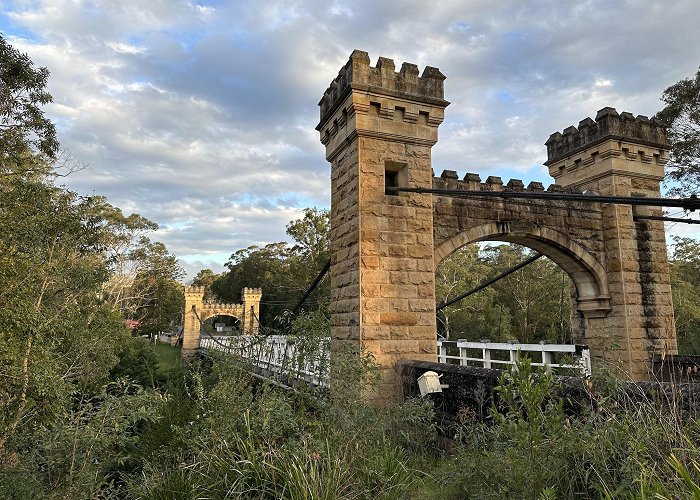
463, 356
486, 356
442, 353
585, 362
547, 361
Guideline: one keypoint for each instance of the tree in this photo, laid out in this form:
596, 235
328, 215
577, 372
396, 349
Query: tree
56, 331
478, 316
143, 275
530, 305
283, 272
311, 235
206, 278
260, 267
682, 114
123, 247
158, 301
60, 334
27, 138
685, 286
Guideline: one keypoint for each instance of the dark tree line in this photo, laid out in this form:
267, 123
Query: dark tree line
284, 271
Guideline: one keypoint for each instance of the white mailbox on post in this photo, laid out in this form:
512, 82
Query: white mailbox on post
429, 383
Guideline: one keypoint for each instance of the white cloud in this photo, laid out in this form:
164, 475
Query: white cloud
202, 116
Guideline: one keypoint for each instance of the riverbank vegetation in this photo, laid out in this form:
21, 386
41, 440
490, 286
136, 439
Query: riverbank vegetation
210, 430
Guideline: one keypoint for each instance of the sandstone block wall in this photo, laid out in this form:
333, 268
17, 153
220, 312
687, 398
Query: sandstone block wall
378, 124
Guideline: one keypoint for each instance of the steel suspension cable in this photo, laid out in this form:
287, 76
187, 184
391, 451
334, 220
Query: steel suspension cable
313, 286
691, 203
490, 282
666, 219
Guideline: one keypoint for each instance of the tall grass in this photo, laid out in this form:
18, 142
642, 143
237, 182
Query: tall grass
617, 448
222, 434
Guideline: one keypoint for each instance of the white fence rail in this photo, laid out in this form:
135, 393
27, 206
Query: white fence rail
277, 356
498, 355
281, 357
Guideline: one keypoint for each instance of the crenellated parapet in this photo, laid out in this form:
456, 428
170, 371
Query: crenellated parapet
608, 124
357, 74
449, 179
193, 291
222, 309
617, 144
381, 103
251, 292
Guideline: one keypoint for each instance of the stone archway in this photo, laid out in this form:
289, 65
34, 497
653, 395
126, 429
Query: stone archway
584, 269
378, 127
230, 322
197, 310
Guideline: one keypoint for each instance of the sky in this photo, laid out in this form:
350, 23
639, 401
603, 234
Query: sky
200, 115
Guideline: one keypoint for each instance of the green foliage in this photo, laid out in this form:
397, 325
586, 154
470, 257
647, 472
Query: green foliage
60, 334
27, 138
56, 333
682, 113
311, 236
155, 296
82, 454
283, 272
615, 449
685, 286
478, 316
250, 440
137, 362
206, 278
143, 275
529, 305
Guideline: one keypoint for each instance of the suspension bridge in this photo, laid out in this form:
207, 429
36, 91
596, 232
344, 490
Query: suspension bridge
393, 222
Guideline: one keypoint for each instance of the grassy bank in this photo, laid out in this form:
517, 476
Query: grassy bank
168, 356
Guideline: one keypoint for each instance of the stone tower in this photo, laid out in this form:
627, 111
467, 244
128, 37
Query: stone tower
194, 300
250, 323
620, 155
197, 311
378, 127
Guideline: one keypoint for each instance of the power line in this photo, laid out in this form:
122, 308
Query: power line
666, 219
490, 282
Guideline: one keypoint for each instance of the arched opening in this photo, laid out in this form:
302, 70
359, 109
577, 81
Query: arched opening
531, 305
583, 292
221, 324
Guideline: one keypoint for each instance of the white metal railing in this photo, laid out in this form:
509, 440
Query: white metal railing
278, 356
499, 354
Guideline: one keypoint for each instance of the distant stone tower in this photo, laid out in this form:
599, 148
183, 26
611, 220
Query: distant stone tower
378, 127
191, 324
618, 154
197, 311
251, 310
